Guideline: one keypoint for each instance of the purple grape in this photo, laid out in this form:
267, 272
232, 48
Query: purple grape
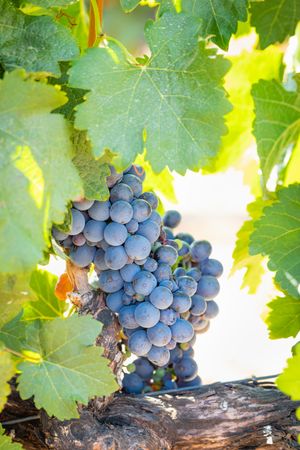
132, 383
149, 230
181, 302
94, 231
127, 317
79, 240
166, 254
141, 210
151, 265
150, 198
116, 257
172, 219
159, 356
198, 305
132, 226
200, 250
115, 234
137, 247
144, 282
78, 222
134, 182
212, 310
59, 235
186, 368
159, 335
168, 316
139, 344
186, 237
83, 205
212, 267
114, 301
208, 287
182, 331
146, 315
161, 297
187, 284
121, 191
143, 368
100, 210
121, 212
163, 272
110, 280
129, 271
99, 260
195, 273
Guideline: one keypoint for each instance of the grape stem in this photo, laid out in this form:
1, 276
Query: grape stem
95, 27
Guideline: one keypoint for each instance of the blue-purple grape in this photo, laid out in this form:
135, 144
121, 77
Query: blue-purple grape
134, 182
208, 287
186, 368
166, 254
127, 317
144, 282
167, 283
79, 240
110, 280
155, 217
121, 191
198, 305
159, 335
115, 234
212, 267
82, 256
83, 205
141, 210
78, 222
195, 273
193, 383
114, 301
172, 218
99, 210
159, 356
182, 331
187, 284
139, 343
116, 257
161, 297
129, 271
200, 250
163, 272
94, 230
137, 247
186, 237
132, 226
212, 310
132, 383
59, 235
151, 265
99, 260
146, 315
121, 212
181, 302
149, 230
143, 368
168, 316
151, 198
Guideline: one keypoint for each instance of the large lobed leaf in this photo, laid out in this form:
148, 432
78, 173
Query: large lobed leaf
37, 176
36, 44
46, 305
14, 291
274, 20
68, 369
283, 319
176, 100
277, 235
7, 371
241, 257
277, 122
93, 171
219, 18
247, 68
289, 381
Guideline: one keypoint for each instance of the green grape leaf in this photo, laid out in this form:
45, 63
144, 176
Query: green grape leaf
36, 152
46, 306
7, 371
274, 20
175, 102
283, 320
277, 235
35, 43
70, 369
14, 291
241, 257
6, 442
93, 172
247, 68
289, 381
277, 122
219, 18
129, 5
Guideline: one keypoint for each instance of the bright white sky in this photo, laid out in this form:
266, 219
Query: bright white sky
236, 345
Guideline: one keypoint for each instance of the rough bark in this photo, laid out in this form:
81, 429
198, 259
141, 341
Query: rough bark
219, 416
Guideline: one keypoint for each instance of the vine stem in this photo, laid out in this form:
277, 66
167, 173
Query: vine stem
96, 16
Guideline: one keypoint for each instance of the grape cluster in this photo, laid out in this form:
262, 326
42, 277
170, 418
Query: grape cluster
160, 285
180, 372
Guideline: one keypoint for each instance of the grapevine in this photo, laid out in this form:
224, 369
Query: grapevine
98, 122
